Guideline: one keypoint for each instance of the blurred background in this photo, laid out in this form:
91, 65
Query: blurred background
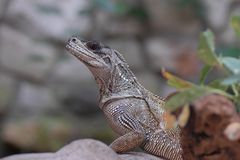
48, 98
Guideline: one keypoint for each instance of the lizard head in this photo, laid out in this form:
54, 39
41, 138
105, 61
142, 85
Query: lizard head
101, 60
107, 65
94, 54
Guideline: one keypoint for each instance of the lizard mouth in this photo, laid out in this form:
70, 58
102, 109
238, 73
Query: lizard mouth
84, 51
79, 50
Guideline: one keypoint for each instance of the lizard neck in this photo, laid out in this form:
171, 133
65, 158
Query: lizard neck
122, 79
120, 82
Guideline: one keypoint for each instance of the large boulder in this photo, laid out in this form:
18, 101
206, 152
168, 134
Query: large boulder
86, 149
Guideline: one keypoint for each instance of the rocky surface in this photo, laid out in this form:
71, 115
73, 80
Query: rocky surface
49, 133
86, 149
164, 16
25, 56
131, 50
7, 90
217, 20
48, 19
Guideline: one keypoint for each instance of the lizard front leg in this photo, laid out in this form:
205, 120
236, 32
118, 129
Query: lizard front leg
126, 125
127, 142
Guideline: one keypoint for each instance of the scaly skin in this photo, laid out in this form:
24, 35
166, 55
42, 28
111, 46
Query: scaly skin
133, 112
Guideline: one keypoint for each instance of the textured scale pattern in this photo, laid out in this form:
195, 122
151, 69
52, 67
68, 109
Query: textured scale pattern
161, 144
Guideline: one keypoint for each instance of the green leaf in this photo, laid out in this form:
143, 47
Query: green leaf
229, 52
175, 81
217, 84
189, 95
238, 107
235, 90
204, 72
206, 49
185, 97
231, 80
232, 64
235, 23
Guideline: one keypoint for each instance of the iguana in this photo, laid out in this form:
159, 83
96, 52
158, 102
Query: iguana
133, 112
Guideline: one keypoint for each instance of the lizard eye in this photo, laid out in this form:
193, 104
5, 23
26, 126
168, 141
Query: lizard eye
107, 60
93, 45
74, 40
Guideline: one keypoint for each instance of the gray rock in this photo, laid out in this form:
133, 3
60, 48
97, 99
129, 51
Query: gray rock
228, 36
167, 90
154, 84
161, 53
52, 131
3, 6
32, 99
7, 91
130, 49
217, 20
33, 156
167, 52
24, 55
83, 149
74, 86
150, 81
111, 25
86, 149
70, 70
79, 98
38, 133
50, 18
165, 17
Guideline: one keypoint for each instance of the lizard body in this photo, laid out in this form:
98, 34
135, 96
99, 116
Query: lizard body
133, 112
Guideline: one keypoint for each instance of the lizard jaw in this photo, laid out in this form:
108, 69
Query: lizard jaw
78, 49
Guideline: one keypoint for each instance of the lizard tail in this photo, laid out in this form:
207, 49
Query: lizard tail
163, 145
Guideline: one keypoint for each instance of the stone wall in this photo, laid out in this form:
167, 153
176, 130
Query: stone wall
48, 98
